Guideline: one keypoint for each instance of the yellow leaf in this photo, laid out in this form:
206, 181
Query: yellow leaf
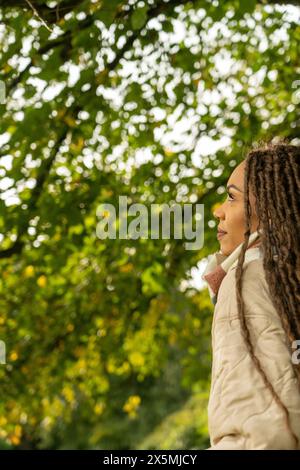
18, 430
105, 213
77, 146
98, 409
56, 237
42, 281
136, 359
70, 121
68, 394
15, 440
29, 271
132, 404
7, 68
13, 356
95, 6
106, 192
135, 400
126, 268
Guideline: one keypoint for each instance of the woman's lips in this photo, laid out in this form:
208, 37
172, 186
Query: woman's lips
221, 235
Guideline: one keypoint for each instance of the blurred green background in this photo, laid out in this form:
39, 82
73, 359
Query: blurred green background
108, 341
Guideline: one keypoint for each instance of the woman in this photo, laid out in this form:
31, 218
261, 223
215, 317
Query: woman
254, 283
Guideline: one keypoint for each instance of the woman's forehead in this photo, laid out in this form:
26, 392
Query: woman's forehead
237, 176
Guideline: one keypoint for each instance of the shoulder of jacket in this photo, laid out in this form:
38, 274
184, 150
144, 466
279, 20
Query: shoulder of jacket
250, 266
256, 296
253, 278
255, 284
254, 267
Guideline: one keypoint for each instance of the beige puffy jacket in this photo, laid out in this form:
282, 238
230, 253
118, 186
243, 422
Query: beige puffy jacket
242, 413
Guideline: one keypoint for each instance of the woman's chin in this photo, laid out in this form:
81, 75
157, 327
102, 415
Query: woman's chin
225, 248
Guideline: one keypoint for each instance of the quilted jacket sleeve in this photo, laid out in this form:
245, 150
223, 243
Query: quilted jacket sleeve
242, 413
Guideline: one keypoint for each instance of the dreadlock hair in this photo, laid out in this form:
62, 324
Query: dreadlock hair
272, 172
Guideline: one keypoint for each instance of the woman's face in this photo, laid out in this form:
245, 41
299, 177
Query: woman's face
231, 213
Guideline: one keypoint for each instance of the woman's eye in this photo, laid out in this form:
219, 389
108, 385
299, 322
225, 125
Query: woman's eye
230, 195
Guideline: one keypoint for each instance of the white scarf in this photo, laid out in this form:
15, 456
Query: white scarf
219, 264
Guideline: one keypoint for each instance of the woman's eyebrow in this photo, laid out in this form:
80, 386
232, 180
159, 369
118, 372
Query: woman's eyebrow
235, 187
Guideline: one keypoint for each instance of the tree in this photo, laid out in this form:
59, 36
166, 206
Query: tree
104, 340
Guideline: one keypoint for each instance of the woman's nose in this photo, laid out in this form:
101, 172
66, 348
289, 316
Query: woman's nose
217, 213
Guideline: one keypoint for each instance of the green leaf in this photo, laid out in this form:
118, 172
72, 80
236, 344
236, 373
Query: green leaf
139, 17
247, 6
151, 280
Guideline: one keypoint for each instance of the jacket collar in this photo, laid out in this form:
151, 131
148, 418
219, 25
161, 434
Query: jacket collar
219, 264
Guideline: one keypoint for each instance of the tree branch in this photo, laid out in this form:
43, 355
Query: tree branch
279, 2
38, 15
46, 13
66, 37
36, 193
